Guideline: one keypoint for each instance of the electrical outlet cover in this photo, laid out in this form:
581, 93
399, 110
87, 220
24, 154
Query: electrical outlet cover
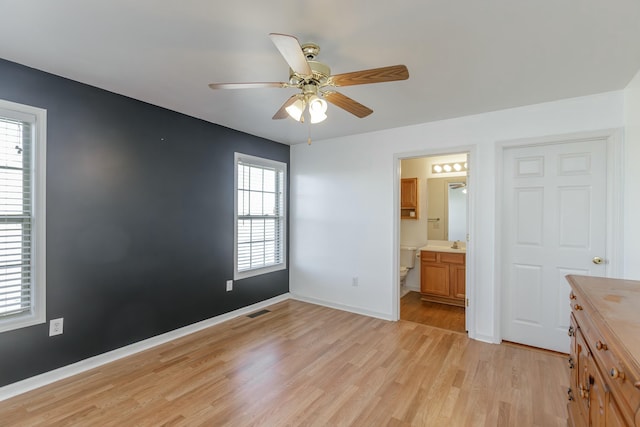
56, 326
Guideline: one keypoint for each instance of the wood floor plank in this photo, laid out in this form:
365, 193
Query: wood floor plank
444, 316
306, 365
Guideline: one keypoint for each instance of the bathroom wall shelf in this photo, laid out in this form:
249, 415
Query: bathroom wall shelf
409, 198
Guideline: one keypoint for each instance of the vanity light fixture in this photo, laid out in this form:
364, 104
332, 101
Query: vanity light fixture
449, 167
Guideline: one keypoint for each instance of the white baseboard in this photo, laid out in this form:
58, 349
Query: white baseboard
28, 384
342, 307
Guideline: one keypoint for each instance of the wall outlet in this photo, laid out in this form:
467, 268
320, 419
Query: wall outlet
354, 281
229, 285
55, 326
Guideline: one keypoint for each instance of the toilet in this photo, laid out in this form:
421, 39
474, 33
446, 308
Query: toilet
407, 261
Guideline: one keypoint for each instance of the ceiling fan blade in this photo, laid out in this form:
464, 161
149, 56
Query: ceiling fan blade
347, 104
246, 85
290, 49
374, 75
282, 112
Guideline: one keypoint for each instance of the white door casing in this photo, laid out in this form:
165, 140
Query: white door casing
554, 224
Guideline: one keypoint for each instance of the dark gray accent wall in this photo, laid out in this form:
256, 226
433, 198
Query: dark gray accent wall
139, 222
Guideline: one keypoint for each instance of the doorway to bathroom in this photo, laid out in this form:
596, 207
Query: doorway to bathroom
433, 230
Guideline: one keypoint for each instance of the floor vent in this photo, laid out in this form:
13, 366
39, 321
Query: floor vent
258, 313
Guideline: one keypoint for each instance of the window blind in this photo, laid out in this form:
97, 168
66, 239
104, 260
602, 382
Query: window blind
15, 217
260, 214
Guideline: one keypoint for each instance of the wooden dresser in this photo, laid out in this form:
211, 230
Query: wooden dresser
604, 360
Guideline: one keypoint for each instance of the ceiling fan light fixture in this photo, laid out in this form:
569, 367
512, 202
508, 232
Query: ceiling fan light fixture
296, 109
317, 108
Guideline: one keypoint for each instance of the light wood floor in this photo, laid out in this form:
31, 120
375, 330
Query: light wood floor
413, 309
305, 365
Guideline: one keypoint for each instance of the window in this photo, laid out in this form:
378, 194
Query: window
260, 216
22, 215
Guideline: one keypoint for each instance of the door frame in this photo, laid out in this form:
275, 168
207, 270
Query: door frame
470, 279
614, 209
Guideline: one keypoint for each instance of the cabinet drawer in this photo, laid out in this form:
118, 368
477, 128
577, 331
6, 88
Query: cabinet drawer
619, 379
451, 258
428, 256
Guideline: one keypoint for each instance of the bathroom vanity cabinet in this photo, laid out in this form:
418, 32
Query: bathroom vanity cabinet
442, 277
409, 198
604, 359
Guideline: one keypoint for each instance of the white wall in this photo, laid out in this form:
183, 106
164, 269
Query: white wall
632, 179
342, 201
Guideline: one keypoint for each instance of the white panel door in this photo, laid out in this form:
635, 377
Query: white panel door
554, 224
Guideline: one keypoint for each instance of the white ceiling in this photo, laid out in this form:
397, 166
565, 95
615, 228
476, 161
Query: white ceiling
464, 56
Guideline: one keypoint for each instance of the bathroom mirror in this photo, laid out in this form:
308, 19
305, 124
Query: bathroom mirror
447, 208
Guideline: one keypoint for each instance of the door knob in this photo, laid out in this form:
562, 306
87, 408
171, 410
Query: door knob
597, 260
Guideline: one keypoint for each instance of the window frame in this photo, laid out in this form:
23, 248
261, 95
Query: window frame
38, 119
280, 167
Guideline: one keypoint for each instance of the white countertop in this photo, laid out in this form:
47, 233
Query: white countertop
438, 248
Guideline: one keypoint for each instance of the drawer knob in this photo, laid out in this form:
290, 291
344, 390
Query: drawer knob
572, 295
601, 346
571, 364
577, 307
571, 332
614, 373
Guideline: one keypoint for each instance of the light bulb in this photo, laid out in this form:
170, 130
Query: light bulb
457, 167
437, 168
447, 168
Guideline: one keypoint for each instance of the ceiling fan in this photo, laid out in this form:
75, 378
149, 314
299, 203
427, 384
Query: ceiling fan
316, 83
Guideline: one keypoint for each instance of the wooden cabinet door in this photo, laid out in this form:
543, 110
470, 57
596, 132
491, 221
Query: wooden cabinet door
581, 391
409, 193
458, 278
613, 416
598, 395
434, 279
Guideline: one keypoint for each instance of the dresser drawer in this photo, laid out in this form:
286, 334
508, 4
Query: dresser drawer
578, 311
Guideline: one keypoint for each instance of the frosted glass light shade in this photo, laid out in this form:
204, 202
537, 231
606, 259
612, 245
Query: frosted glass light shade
296, 109
317, 109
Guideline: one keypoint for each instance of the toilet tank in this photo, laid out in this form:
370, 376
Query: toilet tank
407, 256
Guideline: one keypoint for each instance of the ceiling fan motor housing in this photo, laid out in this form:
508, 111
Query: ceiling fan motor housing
321, 72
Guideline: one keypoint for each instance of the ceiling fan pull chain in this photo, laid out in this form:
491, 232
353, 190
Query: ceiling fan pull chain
309, 132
